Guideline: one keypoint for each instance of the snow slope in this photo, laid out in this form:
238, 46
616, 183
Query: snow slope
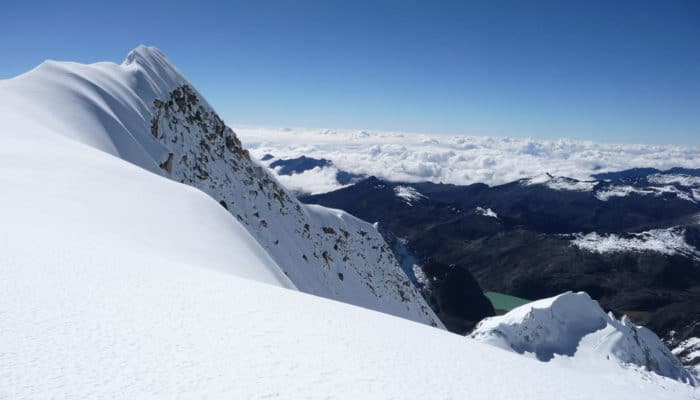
144, 111
574, 325
64, 202
77, 324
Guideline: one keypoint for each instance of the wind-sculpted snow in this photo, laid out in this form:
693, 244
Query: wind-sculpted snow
574, 325
461, 160
665, 241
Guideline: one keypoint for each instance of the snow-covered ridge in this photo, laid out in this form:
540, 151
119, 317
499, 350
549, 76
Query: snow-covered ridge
573, 325
408, 194
665, 241
144, 111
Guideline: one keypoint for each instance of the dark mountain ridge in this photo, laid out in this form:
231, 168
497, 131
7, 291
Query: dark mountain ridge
631, 241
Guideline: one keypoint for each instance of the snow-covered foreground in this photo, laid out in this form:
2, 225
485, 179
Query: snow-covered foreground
77, 324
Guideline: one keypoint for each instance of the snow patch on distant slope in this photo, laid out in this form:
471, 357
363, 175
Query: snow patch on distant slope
574, 325
620, 191
408, 194
667, 179
665, 241
626, 190
486, 212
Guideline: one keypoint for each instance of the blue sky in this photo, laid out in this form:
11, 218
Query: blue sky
606, 71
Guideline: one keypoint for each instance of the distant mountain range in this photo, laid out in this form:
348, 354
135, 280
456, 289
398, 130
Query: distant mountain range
630, 239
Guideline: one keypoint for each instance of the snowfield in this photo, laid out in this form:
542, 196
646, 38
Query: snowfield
118, 282
77, 324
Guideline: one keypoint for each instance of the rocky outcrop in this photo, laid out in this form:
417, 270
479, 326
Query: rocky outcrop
323, 252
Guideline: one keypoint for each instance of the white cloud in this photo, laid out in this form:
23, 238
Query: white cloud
316, 180
460, 159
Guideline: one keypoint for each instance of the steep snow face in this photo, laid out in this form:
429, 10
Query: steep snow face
408, 194
574, 325
325, 252
665, 241
144, 111
67, 203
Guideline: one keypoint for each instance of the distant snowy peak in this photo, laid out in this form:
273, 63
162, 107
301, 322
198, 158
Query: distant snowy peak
664, 241
560, 183
574, 325
408, 194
